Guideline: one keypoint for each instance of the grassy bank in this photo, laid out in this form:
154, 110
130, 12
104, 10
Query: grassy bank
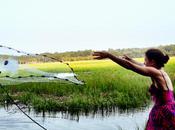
107, 86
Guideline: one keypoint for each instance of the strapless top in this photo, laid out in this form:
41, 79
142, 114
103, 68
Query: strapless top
160, 96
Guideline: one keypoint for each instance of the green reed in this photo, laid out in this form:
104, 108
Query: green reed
107, 86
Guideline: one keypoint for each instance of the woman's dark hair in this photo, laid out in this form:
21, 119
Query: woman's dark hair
158, 56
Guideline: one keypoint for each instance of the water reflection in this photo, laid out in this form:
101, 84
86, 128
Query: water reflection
12, 119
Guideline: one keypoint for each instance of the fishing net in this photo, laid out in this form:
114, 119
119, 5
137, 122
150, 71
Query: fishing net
19, 67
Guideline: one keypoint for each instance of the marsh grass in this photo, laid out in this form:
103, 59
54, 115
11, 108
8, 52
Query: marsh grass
107, 86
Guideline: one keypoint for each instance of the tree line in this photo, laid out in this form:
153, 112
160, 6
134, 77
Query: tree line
87, 54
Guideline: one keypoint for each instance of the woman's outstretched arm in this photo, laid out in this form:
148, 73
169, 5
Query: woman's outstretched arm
132, 60
143, 70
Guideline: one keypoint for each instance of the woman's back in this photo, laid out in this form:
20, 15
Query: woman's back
162, 115
162, 94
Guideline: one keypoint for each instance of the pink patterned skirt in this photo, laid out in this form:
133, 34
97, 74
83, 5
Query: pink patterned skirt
162, 115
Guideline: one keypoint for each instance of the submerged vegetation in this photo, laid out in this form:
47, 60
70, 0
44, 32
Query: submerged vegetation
107, 86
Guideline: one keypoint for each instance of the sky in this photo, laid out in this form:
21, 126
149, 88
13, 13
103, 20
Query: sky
70, 25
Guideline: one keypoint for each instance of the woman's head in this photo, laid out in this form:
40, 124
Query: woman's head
155, 57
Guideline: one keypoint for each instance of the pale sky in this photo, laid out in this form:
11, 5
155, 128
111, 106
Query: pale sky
70, 25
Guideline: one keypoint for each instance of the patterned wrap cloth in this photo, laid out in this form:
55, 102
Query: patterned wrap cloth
162, 115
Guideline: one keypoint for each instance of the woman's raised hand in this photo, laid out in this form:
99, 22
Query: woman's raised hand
101, 55
126, 57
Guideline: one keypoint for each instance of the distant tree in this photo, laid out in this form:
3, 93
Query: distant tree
87, 54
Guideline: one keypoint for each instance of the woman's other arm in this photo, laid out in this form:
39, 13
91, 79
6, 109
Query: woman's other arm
143, 70
132, 60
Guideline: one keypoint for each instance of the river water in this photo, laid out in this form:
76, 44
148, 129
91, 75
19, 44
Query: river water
12, 119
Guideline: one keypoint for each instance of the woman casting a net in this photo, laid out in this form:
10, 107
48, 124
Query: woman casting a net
162, 115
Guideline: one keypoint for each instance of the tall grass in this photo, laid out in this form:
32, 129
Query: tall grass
107, 86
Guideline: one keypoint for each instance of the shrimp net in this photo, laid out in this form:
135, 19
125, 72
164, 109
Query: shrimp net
19, 67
